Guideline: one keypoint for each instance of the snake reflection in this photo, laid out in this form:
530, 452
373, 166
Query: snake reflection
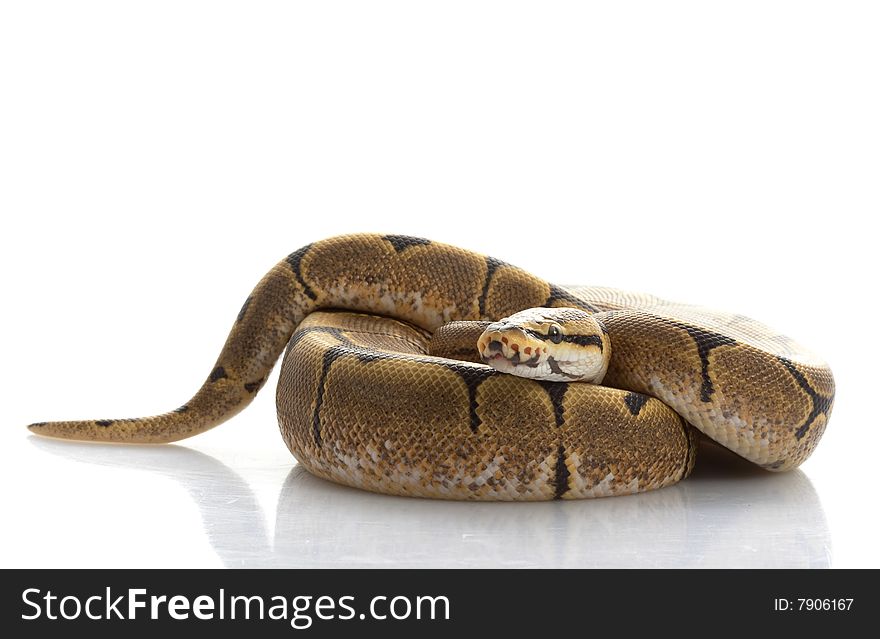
727, 514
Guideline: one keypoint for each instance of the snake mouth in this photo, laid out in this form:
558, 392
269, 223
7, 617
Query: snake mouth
504, 349
515, 360
509, 352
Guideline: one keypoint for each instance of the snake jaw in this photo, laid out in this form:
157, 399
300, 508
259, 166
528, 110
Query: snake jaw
523, 345
509, 350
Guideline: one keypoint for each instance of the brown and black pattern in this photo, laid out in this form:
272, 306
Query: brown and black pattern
361, 402
426, 443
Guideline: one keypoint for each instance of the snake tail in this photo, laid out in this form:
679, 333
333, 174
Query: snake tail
421, 282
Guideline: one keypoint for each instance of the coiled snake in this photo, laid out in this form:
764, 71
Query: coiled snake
361, 402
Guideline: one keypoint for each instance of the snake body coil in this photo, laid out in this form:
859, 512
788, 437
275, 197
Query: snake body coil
362, 403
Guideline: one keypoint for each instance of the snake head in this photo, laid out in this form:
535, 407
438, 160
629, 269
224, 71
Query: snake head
554, 344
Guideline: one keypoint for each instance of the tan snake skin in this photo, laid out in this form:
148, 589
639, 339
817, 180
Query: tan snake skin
360, 402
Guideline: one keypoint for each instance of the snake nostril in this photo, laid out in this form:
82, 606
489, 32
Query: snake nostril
494, 346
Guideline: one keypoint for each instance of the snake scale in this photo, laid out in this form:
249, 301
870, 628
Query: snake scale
362, 402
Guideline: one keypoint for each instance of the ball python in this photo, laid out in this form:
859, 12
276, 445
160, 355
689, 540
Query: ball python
378, 390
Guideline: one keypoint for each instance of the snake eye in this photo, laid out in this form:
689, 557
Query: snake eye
554, 334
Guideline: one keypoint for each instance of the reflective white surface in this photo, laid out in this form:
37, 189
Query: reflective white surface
727, 514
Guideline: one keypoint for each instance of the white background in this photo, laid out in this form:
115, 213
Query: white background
157, 158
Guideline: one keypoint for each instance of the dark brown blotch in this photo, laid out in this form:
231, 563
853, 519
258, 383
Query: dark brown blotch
562, 474
403, 242
244, 308
634, 402
295, 261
